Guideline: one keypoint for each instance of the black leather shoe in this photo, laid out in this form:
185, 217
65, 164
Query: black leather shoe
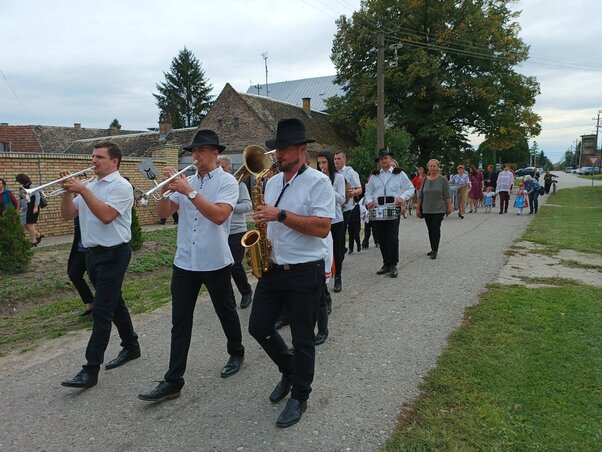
393, 273
321, 337
86, 313
232, 366
338, 286
292, 413
246, 300
365, 246
84, 379
429, 253
125, 355
165, 391
384, 269
350, 252
282, 388
280, 323
433, 255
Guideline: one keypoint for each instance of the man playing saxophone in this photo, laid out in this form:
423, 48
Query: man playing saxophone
299, 205
205, 205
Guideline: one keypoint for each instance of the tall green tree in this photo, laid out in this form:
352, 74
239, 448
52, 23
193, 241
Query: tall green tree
185, 94
115, 124
362, 157
454, 73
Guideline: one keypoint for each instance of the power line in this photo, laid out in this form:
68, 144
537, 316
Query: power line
17, 97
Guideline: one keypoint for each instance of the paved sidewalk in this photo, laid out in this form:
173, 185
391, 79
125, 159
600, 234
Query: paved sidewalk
385, 334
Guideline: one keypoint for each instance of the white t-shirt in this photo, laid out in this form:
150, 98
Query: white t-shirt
116, 192
307, 194
339, 197
202, 244
353, 179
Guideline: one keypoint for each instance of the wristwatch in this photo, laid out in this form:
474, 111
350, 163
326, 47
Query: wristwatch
281, 216
192, 194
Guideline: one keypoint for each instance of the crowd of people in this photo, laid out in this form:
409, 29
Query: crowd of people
305, 215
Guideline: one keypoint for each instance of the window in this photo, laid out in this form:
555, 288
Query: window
4, 147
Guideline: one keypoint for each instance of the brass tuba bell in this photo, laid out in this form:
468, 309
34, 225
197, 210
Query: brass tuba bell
255, 161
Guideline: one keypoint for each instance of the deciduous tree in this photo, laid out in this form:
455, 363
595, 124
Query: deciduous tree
454, 73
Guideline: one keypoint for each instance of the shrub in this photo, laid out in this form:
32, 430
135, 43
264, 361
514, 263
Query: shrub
15, 249
137, 236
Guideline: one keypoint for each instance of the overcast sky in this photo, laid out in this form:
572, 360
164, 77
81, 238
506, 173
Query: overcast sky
64, 62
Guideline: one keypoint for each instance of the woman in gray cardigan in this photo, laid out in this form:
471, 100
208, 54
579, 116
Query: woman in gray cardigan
433, 203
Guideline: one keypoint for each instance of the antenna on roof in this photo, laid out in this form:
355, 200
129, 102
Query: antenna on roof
265, 58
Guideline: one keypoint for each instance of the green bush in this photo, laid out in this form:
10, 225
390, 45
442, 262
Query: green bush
15, 249
137, 237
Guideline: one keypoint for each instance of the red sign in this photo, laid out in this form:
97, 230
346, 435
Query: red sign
594, 159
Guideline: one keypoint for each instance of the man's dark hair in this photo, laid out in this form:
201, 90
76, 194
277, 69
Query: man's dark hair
113, 149
341, 152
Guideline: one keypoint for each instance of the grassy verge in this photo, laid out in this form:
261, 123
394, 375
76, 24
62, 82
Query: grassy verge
53, 303
524, 370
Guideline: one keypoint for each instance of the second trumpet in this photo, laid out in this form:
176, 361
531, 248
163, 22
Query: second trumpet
143, 197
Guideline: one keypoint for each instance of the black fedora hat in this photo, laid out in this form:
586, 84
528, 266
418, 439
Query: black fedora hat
205, 136
381, 153
289, 131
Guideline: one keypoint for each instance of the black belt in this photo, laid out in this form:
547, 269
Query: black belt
296, 266
99, 249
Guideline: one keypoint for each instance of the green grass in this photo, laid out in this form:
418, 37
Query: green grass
596, 177
575, 225
523, 373
577, 264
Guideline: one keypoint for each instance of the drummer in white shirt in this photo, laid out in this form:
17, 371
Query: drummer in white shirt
388, 188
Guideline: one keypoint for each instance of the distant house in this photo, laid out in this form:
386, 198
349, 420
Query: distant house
48, 139
317, 88
242, 119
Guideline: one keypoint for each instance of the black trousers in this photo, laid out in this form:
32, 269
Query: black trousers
433, 224
238, 272
185, 288
367, 234
106, 268
354, 227
387, 234
76, 268
338, 246
299, 290
504, 201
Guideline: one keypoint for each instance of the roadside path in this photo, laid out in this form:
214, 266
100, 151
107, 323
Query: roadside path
385, 334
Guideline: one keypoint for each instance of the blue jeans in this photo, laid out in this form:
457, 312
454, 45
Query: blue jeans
533, 204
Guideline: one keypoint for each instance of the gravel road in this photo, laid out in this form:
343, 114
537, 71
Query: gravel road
385, 334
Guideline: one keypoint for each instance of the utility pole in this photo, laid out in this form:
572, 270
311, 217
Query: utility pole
265, 58
380, 93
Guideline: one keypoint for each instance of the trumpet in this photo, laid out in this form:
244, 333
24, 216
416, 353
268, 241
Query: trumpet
143, 197
27, 192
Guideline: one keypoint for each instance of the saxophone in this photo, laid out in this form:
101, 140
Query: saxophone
256, 242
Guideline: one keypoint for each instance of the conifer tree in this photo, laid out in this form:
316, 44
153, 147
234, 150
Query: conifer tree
15, 249
137, 236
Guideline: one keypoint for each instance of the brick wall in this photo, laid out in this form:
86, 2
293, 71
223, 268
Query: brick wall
43, 168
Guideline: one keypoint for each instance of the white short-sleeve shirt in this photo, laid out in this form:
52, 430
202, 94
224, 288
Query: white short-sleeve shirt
339, 194
386, 183
116, 192
353, 179
308, 194
202, 244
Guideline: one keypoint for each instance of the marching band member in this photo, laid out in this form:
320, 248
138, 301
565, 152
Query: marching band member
299, 205
337, 228
238, 227
105, 214
351, 211
388, 186
202, 257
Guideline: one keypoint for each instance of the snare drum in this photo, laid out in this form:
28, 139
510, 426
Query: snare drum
386, 212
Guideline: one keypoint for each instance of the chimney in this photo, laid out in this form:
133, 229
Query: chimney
164, 124
77, 125
307, 105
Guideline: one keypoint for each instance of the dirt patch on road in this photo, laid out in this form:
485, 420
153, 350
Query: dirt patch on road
534, 265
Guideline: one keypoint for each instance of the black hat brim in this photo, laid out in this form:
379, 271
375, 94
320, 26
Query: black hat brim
219, 147
281, 144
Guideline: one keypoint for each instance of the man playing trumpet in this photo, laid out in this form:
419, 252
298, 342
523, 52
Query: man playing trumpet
205, 205
105, 214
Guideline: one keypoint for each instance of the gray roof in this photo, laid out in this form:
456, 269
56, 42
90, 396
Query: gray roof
136, 144
293, 91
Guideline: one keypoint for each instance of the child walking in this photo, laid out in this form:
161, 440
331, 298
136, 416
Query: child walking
489, 196
520, 202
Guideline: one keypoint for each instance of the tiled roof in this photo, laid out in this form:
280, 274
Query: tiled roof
20, 138
319, 126
292, 92
136, 144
